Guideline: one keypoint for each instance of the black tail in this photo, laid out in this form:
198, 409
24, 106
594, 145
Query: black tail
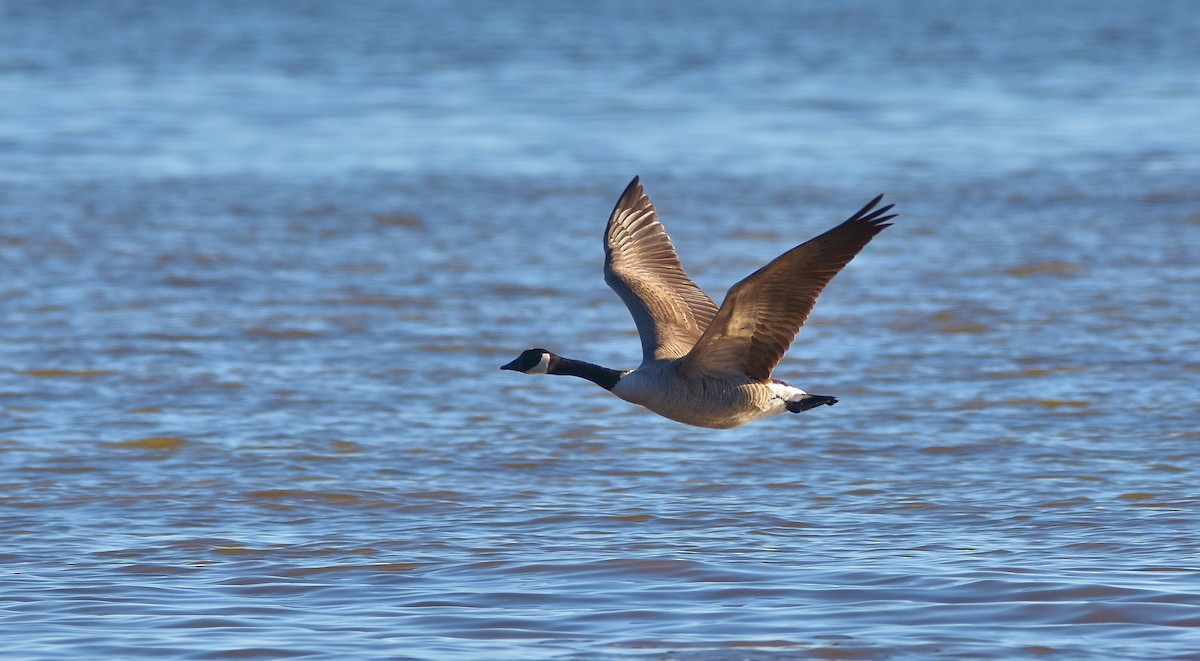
810, 402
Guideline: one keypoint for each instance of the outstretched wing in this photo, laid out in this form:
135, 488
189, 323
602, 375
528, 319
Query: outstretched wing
641, 265
762, 314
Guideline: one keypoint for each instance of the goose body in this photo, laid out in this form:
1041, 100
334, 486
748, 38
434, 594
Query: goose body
703, 365
720, 402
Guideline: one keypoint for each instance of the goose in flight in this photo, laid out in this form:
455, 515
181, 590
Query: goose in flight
703, 365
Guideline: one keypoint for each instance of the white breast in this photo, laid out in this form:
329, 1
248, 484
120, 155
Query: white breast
644, 385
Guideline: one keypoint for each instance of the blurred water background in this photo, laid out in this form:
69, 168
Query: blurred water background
260, 262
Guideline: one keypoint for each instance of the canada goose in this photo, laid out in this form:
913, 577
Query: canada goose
702, 365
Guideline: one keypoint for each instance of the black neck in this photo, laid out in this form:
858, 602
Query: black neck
601, 376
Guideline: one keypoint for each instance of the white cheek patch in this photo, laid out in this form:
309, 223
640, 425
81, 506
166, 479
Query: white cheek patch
543, 366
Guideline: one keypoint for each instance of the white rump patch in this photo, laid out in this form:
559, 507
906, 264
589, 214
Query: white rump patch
785, 392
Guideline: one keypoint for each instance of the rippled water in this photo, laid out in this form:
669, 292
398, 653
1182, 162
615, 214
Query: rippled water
259, 266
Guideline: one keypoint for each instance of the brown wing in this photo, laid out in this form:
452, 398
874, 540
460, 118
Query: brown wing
640, 264
762, 314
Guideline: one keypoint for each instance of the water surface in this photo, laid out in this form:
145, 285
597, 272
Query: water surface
259, 266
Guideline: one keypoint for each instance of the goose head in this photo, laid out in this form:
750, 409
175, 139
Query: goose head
532, 361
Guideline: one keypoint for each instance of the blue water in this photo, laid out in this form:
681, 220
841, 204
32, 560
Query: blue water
259, 265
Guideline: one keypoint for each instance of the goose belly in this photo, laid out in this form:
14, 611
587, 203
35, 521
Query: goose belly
714, 403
